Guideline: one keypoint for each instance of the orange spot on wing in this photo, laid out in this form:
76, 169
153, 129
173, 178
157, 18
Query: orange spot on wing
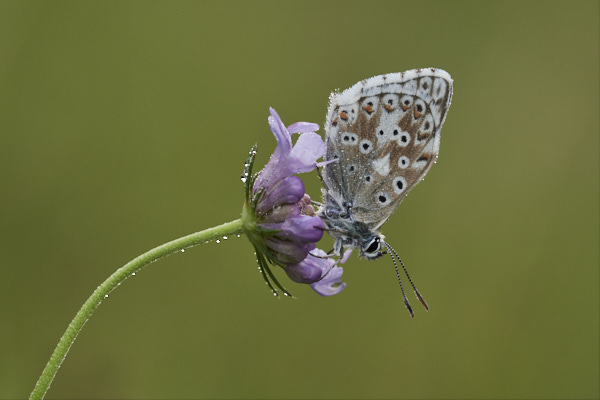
389, 108
404, 107
368, 108
424, 157
422, 136
417, 114
344, 116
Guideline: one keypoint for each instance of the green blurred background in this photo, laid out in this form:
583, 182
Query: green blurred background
126, 124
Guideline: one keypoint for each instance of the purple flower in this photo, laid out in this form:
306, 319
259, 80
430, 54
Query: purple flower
321, 272
278, 216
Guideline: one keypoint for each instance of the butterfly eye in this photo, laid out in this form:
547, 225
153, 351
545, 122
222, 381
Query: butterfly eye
374, 246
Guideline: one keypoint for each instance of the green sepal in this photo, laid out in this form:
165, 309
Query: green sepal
266, 231
247, 176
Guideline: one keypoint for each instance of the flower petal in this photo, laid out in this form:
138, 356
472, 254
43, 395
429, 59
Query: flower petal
346, 256
299, 229
308, 149
279, 214
284, 139
271, 172
287, 252
289, 190
302, 127
310, 270
331, 283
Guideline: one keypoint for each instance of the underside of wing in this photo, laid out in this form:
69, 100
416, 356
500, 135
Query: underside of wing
384, 133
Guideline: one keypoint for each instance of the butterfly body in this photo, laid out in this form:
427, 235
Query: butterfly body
382, 136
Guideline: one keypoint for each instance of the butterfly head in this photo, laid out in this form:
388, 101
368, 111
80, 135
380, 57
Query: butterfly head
349, 233
371, 247
357, 235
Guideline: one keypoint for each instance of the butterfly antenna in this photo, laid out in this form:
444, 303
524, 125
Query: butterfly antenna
406, 303
421, 299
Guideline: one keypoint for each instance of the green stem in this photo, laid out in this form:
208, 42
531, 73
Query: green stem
61, 350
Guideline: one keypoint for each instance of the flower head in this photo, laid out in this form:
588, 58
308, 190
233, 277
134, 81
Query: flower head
278, 216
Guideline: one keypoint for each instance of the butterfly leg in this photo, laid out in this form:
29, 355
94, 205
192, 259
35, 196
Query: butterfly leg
338, 247
328, 255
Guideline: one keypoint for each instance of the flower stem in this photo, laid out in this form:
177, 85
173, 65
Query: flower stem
118, 277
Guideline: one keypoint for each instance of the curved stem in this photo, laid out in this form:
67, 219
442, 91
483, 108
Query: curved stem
61, 350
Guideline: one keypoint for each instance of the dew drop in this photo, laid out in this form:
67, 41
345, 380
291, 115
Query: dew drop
224, 237
133, 274
218, 241
106, 296
238, 235
183, 250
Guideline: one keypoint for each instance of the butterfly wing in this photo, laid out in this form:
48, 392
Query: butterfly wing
385, 134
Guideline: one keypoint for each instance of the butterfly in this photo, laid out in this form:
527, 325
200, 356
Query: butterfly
382, 136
